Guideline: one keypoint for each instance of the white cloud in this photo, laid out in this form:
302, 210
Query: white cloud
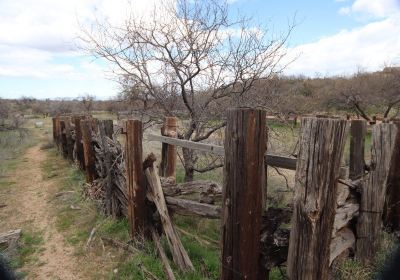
369, 47
38, 38
371, 8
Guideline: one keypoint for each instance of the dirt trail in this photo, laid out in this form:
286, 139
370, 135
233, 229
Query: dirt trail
33, 198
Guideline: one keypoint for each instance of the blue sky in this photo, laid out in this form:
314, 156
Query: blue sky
39, 57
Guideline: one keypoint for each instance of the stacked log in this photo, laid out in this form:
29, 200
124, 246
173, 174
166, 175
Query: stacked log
347, 209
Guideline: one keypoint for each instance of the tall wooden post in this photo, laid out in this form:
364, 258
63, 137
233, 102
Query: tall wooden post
54, 129
58, 132
108, 128
358, 131
135, 177
63, 138
168, 152
318, 169
391, 219
242, 193
78, 143
88, 150
369, 222
68, 137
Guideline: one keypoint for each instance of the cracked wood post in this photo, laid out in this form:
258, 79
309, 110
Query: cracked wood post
88, 150
135, 177
242, 194
168, 152
321, 144
358, 131
78, 142
373, 194
392, 205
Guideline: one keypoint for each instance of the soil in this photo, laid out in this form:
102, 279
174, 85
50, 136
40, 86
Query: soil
29, 205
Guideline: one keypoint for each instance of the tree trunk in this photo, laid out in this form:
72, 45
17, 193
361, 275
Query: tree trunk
188, 164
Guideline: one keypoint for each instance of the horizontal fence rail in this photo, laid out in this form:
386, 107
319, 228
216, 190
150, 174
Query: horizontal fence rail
270, 159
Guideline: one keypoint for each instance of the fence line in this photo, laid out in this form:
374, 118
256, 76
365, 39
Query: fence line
118, 180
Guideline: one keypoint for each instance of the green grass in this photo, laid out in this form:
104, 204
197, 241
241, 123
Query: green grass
353, 269
30, 244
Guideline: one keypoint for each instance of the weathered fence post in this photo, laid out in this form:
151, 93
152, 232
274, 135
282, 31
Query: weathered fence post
54, 129
318, 168
358, 131
369, 222
391, 219
135, 177
58, 132
242, 193
168, 152
78, 143
105, 130
63, 137
108, 128
68, 137
94, 124
88, 150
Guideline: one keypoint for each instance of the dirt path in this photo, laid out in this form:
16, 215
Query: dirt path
32, 206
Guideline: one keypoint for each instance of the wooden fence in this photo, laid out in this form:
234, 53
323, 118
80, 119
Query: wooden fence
333, 214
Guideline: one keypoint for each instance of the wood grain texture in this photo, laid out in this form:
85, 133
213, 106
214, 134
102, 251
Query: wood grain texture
88, 151
192, 208
318, 169
136, 187
391, 220
358, 130
155, 194
374, 191
242, 193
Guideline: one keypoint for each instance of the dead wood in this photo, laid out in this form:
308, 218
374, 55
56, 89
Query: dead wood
155, 193
10, 236
343, 240
119, 244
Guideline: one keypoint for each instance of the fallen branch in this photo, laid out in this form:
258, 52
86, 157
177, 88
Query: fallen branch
10, 236
119, 244
198, 239
92, 232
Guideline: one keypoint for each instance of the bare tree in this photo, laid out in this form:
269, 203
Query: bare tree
189, 59
87, 102
371, 92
